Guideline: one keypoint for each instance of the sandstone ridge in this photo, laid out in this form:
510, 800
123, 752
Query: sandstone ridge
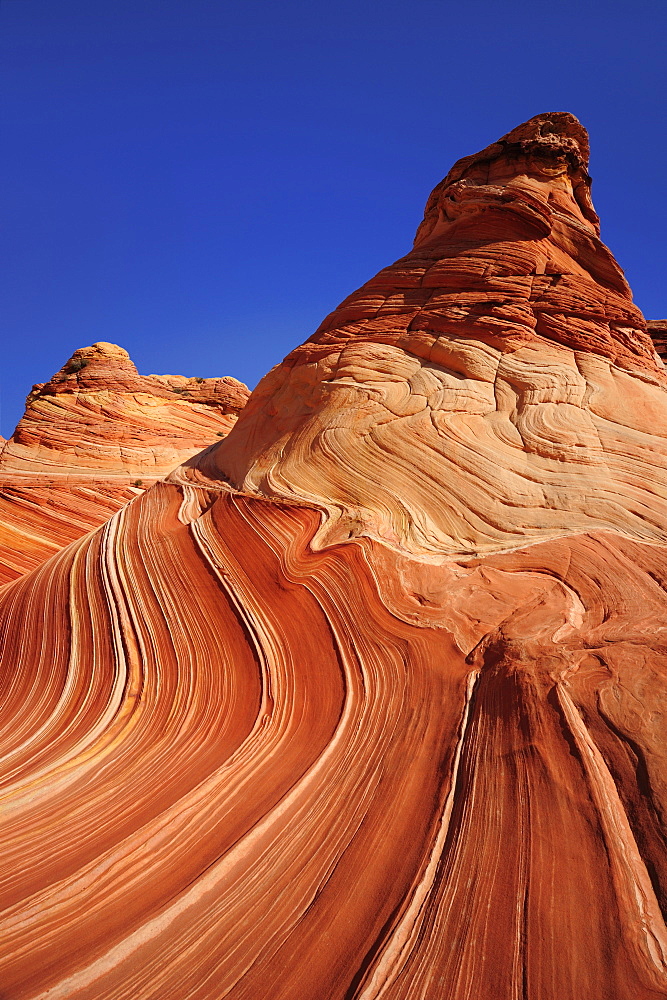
98, 416
90, 439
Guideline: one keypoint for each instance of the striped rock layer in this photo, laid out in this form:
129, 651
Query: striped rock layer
91, 439
658, 331
370, 699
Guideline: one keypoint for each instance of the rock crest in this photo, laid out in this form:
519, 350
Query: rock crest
98, 416
91, 438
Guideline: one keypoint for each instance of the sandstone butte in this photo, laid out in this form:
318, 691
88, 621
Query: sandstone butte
94, 437
369, 699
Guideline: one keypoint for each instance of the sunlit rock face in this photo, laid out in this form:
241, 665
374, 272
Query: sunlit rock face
369, 700
91, 439
495, 386
98, 415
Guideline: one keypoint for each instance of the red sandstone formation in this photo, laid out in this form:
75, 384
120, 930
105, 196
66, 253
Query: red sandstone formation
368, 701
91, 439
37, 519
658, 331
99, 416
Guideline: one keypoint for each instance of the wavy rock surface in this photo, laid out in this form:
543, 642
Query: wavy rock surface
369, 699
91, 439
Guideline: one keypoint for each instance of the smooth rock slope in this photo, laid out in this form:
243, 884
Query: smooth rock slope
91, 439
369, 700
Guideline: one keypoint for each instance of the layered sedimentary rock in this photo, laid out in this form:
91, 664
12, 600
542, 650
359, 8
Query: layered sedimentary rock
658, 331
99, 416
93, 437
369, 699
37, 518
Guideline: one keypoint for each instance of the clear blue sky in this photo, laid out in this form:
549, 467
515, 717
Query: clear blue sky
201, 181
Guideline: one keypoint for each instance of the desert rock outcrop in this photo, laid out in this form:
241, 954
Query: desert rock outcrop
369, 699
99, 416
90, 439
658, 331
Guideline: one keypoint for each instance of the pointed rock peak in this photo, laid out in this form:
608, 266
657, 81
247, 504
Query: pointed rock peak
555, 136
537, 169
491, 366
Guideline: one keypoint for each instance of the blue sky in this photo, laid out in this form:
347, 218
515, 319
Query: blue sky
202, 181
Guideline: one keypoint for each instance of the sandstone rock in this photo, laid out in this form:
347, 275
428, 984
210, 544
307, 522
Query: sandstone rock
482, 373
91, 439
368, 700
38, 518
658, 331
98, 416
